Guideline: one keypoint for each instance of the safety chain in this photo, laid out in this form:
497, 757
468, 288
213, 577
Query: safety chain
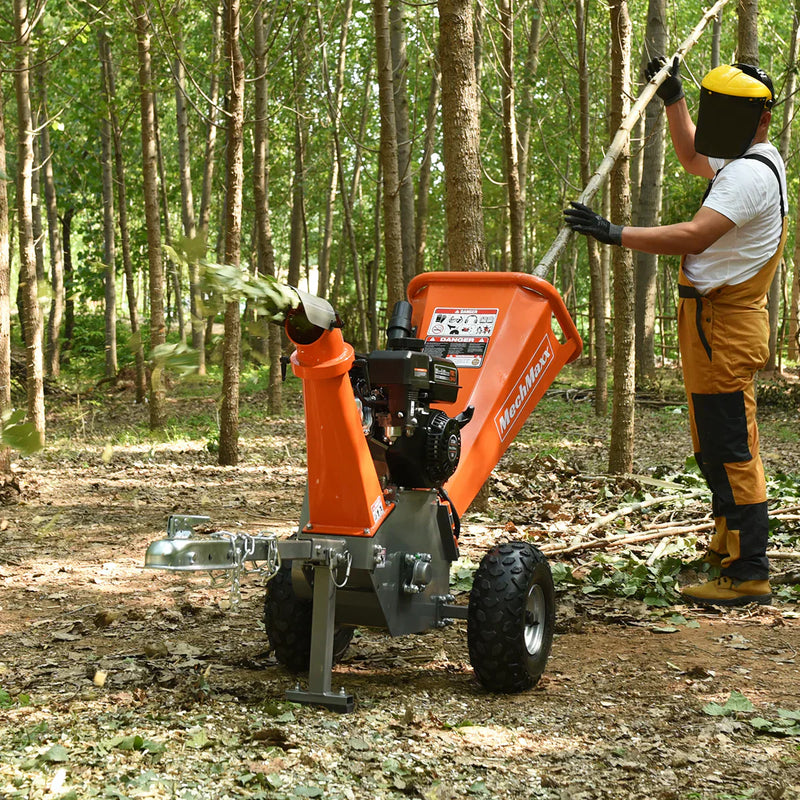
243, 546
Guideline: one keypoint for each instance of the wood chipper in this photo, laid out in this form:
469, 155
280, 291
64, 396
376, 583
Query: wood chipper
399, 443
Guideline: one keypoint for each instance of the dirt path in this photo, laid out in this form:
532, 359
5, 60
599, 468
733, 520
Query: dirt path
120, 682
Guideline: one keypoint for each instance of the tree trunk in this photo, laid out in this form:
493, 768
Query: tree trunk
747, 47
424, 183
69, 282
622, 422
648, 207
334, 103
27, 278
152, 218
527, 114
266, 254
461, 133
595, 267
297, 233
109, 84
234, 180
779, 279
392, 225
5, 295
53, 347
397, 37
109, 248
198, 330
516, 220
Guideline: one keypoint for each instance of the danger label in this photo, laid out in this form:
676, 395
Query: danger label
461, 334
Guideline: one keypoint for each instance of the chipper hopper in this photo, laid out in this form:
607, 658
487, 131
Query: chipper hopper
399, 443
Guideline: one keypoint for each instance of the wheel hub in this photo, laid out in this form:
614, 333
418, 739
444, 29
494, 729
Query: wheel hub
534, 618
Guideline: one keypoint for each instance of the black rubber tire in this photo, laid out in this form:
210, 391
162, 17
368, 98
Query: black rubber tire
511, 617
287, 620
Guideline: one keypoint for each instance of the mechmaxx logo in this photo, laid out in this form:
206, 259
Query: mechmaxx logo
519, 397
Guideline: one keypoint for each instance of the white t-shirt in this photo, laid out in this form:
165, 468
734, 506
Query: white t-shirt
746, 192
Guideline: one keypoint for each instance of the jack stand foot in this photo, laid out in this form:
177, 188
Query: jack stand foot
336, 701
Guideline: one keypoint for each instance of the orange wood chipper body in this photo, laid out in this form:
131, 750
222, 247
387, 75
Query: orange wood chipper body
399, 442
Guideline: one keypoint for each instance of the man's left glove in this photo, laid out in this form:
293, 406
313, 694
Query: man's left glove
582, 219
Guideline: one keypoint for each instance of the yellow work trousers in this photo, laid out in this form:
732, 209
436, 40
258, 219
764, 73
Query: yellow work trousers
724, 341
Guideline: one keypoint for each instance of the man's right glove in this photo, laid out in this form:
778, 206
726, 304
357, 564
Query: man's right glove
582, 219
672, 89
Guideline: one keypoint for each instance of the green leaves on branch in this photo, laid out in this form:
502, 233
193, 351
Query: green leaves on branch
223, 283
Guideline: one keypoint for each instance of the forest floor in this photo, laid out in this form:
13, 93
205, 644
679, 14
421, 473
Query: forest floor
116, 682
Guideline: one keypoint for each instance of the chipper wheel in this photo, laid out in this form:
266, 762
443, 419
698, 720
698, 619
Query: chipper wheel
511, 617
287, 619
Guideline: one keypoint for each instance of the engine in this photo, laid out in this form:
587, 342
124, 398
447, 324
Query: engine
412, 444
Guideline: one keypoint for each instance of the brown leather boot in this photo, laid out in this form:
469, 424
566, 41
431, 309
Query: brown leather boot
713, 558
725, 591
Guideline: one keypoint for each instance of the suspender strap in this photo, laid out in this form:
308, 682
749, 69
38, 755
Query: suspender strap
771, 165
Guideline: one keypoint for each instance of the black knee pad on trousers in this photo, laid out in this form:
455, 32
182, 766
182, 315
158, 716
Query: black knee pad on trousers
721, 421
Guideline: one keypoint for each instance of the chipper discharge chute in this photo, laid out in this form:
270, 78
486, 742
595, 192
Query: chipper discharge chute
399, 442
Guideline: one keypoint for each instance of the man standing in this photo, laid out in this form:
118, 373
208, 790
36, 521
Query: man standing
730, 250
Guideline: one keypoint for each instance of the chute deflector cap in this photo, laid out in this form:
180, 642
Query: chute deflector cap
732, 100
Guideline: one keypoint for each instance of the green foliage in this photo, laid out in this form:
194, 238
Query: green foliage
20, 435
736, 703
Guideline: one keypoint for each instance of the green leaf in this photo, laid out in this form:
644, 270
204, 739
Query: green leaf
5, 699
199, 740
736, 702
715, 710
56, 754
308, 791
21, 436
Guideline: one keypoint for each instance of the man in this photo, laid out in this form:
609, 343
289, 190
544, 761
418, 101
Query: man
730, 250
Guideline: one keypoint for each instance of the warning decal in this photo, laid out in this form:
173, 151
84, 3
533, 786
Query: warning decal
461, 334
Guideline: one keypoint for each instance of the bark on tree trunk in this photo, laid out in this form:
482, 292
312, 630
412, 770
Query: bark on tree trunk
392, 226
595, 268
424, 183
266, 254
510, 143
53, 346
229, 413
779, 279
109, 84
158, 331
747, 47
397, 37
69, 303
461, 133
5, 295
648, 208
622, 422
109, 250
24, 199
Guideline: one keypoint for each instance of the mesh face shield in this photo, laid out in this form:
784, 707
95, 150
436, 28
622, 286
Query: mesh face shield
731, 103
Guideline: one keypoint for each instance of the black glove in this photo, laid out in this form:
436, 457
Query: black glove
582, 219
672, 89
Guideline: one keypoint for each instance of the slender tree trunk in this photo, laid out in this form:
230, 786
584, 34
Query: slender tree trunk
516, 220
648, 206
109, 249
334, 103
461, 132
527, 115
266, 254
622, 422
595, 267
392, 225
297, 233
69, 282
5, 295
109, 84
424, 182
784, 146
198, 328
152, 218
28, 278
747, 47
53, 347
397, 37
234, 181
